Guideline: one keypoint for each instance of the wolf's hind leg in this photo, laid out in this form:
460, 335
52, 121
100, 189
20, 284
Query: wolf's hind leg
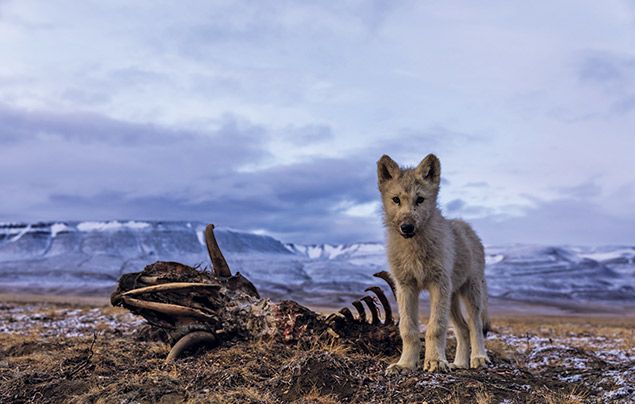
462, 332
408, 303
472, 297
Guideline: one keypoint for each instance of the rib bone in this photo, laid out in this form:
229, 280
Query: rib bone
386, 277
384, 302
360, 310
347, 314
370, 302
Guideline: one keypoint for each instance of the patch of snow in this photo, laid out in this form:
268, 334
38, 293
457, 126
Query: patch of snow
610, 255
200, 235
615, 356
58, 228
626, 388
371, 248
46, 322
21, 233
11, 228
571, 378
136, 225
111, 226
491, 259
576, 363
333, 251
314, 252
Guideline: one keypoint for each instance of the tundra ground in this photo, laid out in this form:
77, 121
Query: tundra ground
78, 353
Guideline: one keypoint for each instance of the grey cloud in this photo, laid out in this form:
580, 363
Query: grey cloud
294, 202
20, 126
284, 62
569, 221
477, 184
455, 205
86, 97
308, 134
602, 69
614, 74
459, 208
575, 218
624, 105
586, 189
410, 146
86, 155
303, 224
130, 76
91, 167
265, 21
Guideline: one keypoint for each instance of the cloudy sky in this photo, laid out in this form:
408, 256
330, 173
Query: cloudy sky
269, 116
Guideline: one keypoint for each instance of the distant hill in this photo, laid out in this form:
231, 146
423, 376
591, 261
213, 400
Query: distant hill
89, 257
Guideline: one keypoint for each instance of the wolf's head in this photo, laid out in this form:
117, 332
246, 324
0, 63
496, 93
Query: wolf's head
409, 195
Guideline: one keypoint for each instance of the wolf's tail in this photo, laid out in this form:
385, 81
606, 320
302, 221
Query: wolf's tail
484, 315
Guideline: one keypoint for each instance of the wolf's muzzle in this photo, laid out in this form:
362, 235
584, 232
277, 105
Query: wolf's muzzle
407, 230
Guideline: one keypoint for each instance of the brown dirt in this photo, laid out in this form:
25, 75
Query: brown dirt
66, 353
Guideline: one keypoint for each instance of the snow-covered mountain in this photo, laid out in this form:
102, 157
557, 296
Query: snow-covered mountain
89, 257
336, 251
522, 272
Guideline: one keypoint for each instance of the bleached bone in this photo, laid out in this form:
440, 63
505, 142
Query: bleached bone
215, 255
166, 308
188, 341
164, 287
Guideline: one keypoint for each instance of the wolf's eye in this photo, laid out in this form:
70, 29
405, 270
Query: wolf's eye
396, 200
420, 200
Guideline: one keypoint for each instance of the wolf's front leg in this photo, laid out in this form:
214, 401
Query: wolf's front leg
408, 303
436, 333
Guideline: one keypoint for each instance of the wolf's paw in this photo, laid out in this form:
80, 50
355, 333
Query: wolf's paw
459, 365
479, 361
398, 368
436, 365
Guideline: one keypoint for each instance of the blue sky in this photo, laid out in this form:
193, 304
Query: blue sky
269, 116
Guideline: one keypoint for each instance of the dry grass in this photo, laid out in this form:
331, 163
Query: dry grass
316, 396
484, 397
535, 359
572, 397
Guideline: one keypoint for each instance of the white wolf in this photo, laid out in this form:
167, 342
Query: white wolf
446, 257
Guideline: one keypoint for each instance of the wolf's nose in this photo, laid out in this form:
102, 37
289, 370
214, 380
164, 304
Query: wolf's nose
407, 228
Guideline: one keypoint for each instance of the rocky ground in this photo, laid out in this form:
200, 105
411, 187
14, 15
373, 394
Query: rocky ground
74, 353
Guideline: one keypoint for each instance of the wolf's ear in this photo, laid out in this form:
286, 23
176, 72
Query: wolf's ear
386, 169
430, 169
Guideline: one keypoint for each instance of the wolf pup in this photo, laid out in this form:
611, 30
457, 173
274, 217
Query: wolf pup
446, 257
